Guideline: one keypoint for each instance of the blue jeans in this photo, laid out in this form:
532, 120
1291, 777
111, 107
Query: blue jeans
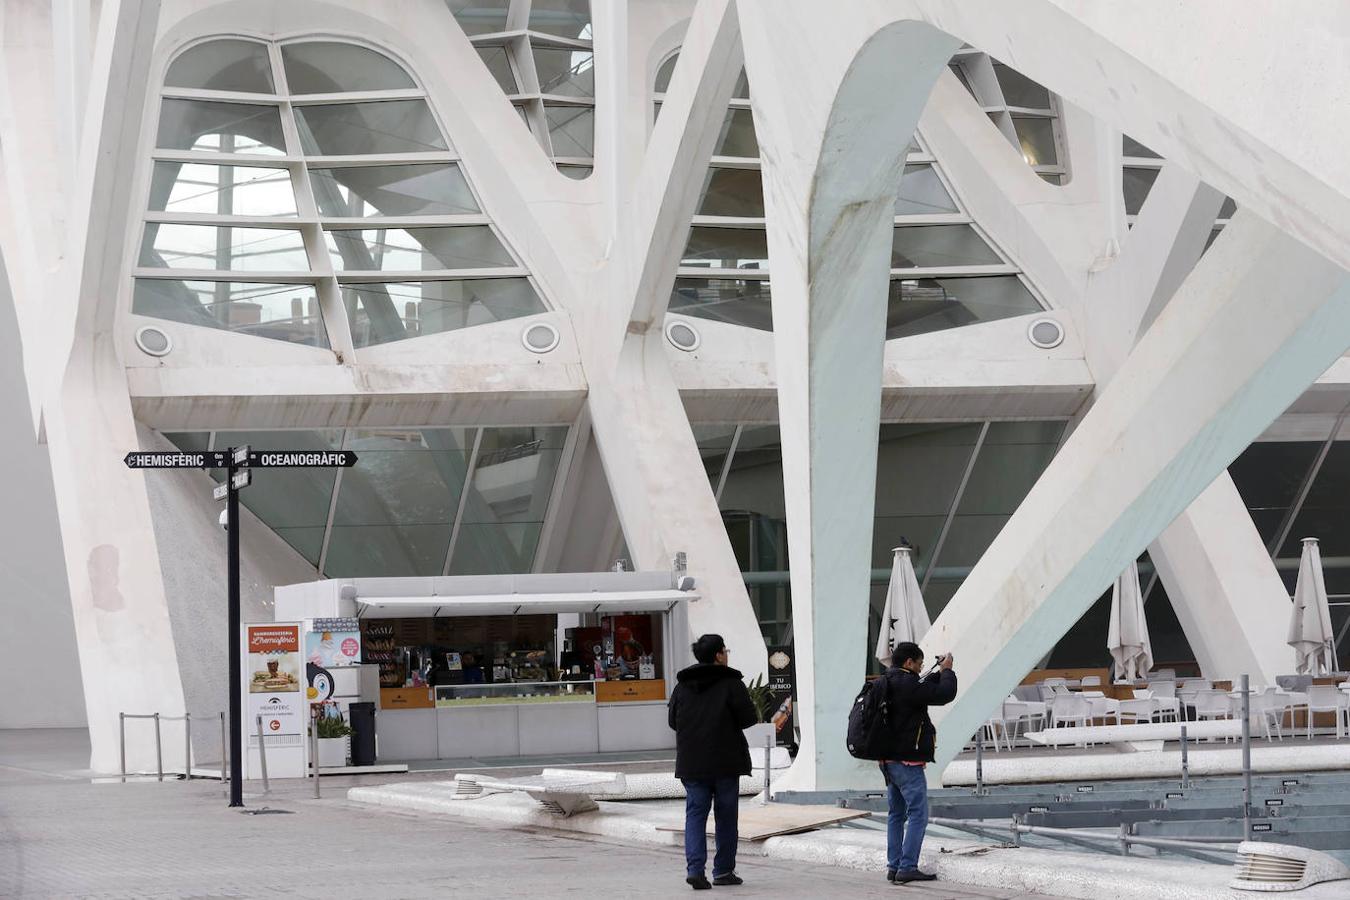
722, 795
908, 818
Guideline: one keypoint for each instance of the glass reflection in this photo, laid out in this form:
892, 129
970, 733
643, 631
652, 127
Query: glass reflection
417, 249
196, 188
940, 246
349, 129
392, 311
922, 193
571, 129
224, 248
436, 189
220, 127
732, 192
283, 312
921, 305
329, 67
735, 301
223, 65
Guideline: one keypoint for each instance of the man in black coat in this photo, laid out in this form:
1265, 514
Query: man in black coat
708, 710
908, 697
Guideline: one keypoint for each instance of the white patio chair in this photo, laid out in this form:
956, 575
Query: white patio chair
1069, 709
1165, 707
1092, 681
1138, 711
1212, 706
1163, 675
1325, 698
1292, 702
1014, 714
1266, 708
1163, 687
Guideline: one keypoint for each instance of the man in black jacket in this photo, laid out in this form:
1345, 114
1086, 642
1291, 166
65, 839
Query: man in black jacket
708, 710
908, 697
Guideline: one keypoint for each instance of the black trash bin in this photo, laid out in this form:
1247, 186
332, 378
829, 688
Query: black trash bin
363, 734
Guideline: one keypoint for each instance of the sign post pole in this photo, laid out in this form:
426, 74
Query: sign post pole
236, 641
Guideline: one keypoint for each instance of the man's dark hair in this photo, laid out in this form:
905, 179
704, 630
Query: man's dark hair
707, 647
905, 651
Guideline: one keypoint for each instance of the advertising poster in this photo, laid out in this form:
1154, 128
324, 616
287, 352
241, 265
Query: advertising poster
333, 643
782, 684
273, 675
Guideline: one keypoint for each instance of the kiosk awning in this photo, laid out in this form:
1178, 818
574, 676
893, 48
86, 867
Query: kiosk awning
520, 605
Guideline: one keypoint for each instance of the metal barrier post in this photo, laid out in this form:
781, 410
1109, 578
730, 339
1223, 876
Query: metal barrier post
768, 755
224, 782
1246, 759
979, 762
159, 751
314, 749
187, 745
1124, 839
1017, 829
122, 740
262, 757
1185, 763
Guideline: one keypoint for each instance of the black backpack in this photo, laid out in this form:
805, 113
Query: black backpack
871, 731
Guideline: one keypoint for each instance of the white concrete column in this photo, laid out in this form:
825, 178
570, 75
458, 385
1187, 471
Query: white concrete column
832, 155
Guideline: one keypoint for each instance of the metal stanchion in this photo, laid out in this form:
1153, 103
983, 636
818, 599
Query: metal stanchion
224, 761
768, 757
1246, 759
159, 751
187, 745
1185, 763
122, 739
314, 749
1124, 839
979, 762
262, 757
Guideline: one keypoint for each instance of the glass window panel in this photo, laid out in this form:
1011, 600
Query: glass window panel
1228, 209
292, 502
1052, 178
1036, 136
1137, 183
284, 312
571, 129
223, 65
499, 64
664, 73
732, 192
742, 89
437, 189
724, 300
922, 193
567, 72
220, 127
960, 74
565, 18
483, 549
738, 135
513, 477
416, 249
1213, 236
918, 306
919, 469
1326, 511
189, 441
390, 126
1019, 90
330, 67
714, 441
727, 248
576, 173
396, 506
940, 246
755, 487
1130, 147
221, 190
1268, 473
396, 310
225, 248
479, 16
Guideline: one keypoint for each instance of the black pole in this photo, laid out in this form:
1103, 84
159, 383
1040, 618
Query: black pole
236, 678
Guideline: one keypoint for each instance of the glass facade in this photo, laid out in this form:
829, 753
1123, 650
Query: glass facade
225, 241
1139, 170
541, 55
944, 272
419, 502
1024, 112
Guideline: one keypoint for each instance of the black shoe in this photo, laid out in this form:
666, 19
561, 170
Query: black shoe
905, 876
699, 882
890, 876
731, 878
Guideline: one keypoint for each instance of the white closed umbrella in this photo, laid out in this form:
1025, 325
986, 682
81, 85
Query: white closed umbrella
1310, 626
904, 618
1127, 636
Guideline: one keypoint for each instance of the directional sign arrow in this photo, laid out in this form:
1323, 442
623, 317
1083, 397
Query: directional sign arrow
153, 459
287, 459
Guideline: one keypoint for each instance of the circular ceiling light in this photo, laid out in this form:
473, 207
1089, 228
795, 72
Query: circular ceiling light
540, 337
1045, 333
153, 341
683, 336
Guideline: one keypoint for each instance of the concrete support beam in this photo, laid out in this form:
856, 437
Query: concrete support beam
1200, 385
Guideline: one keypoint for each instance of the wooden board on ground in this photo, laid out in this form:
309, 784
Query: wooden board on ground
756, 822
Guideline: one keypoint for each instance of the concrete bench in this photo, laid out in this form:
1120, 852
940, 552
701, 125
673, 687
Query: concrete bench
563, 792
1131, 738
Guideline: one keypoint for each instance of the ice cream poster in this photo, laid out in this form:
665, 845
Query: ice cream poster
333, 643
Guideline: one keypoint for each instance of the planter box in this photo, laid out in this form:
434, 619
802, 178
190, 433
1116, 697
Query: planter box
332, 752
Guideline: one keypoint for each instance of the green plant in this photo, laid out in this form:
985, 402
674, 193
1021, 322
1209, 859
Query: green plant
333, 727
762, 698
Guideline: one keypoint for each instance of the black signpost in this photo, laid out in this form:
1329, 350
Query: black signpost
238, 463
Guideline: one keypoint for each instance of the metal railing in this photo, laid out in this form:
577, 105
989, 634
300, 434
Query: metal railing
1198, 847
157, 718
